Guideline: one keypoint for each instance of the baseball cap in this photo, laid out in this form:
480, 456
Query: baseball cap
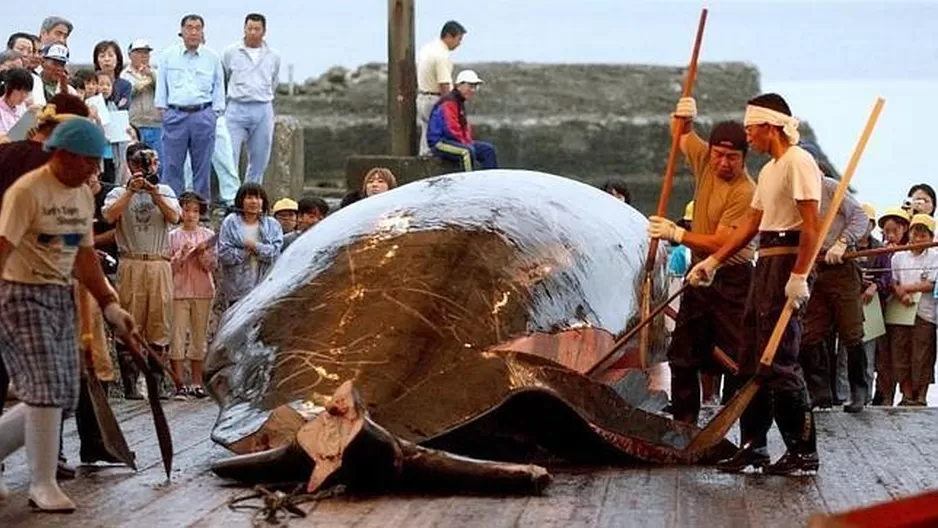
923, 220
285, 204
894, 212
469, 77
56, 52
78, 135
140, 44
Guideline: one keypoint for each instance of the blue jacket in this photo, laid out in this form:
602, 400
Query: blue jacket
120, 93
448, 122
238, 276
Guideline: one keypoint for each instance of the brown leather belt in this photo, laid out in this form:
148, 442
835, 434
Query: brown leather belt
144, 256
777, 251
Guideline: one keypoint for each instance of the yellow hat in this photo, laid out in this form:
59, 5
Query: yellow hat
285, 204
689, 211
870, 211
923, 220
894, 212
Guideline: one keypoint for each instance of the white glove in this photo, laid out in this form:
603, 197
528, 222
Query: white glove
835, 255
663, 228
797, 289
703, 273
123, 323
686, 107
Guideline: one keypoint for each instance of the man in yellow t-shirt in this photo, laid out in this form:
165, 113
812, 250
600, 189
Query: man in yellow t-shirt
435, 75
709, 318
45, 240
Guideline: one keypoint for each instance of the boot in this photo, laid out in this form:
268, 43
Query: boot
42, 445
685, 395
856, 372
814, 362
129, 373
63, 471
792, 463
750, 454
795, 421
12, 433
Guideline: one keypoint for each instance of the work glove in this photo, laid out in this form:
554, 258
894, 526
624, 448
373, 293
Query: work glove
663, 228
835, 255
686, 107
797, 289
703, 273
121, 320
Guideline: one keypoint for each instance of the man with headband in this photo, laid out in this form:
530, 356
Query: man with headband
785, 214
721, 201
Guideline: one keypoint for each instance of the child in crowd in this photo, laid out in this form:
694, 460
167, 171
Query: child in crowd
249, 241
285, 211
194, 262
913, 347
310, 211
894, 224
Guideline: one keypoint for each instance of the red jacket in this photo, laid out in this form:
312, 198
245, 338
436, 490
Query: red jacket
448, 120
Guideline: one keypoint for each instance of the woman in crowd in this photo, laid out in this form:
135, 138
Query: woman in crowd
109, 60
376, 181
15, 87
249, 241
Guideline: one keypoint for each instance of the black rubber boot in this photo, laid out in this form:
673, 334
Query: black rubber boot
814, 361
754, 427
685, 395
796, 422
856, 373
750, 455
129, 373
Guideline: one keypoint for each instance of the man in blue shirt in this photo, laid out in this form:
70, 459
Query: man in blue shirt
190, 91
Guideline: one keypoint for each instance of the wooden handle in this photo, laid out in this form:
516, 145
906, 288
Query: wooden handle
887, 250
769, 355
85, 332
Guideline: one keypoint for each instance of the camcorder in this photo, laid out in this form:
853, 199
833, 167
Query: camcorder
144, 161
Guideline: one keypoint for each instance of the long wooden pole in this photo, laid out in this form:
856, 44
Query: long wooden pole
720, 425
665, 195
402, 79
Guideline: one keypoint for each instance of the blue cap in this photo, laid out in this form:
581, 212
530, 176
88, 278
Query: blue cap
78, 135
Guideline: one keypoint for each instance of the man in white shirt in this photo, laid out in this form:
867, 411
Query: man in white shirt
435, 75
784, 213
252, 69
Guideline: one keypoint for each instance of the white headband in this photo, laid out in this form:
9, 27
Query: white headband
758, 115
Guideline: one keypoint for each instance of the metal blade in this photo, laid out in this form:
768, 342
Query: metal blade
111, 435
159, 421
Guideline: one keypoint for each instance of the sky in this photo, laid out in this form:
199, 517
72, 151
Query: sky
830, 59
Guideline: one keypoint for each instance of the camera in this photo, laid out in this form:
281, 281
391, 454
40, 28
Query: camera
145, 161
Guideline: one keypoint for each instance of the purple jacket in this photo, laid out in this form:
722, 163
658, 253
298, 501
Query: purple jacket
880, 269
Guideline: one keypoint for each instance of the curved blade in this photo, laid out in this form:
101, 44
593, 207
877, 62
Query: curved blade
159, 421
111, 435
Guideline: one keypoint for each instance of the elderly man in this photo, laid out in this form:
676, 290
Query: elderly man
143, 112
435, 75
53, 73
449, 132
22, 43
252, 68
55, 30
190, 90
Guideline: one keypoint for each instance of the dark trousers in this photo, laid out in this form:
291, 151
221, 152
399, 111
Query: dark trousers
192, 133
474, 156
708, 318
835, 307
782, 395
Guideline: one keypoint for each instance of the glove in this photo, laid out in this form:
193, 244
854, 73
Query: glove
797, 289
702, 274
123, 323
686, 107
835, 254
663, 228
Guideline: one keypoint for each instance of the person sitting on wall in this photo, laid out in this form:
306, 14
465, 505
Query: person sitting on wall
449, 132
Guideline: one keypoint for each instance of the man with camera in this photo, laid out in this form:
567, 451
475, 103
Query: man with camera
144, 211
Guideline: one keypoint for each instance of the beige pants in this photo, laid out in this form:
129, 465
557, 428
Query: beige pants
190, 317
145, 288
100, 352
425, 104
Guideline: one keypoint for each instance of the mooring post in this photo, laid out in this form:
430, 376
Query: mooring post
402, 79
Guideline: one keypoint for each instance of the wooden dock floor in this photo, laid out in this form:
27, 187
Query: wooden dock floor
866, 458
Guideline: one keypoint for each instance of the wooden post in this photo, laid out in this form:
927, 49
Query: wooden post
402, 79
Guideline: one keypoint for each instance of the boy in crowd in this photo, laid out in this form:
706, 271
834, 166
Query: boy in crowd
285, 211
310, 211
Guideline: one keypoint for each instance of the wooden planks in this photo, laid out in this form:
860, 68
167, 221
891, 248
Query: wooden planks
866, 458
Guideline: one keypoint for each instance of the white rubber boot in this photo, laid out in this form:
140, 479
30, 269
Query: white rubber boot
12, 437
42, 449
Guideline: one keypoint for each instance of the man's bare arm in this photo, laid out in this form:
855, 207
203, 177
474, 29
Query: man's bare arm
708, 243
810, 231
740, 236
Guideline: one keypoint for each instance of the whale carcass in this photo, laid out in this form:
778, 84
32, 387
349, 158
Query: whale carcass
463, 309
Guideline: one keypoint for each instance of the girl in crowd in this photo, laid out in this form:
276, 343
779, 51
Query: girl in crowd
15, 87
194, 262
249, 241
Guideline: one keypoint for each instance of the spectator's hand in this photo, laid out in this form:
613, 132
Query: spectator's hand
702, 274
835, 255
250, 246
663, 228
906, 299
123, 323
132, 133
136, 182
686, 108
899, 290
797, 289
869, 294
150, 187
